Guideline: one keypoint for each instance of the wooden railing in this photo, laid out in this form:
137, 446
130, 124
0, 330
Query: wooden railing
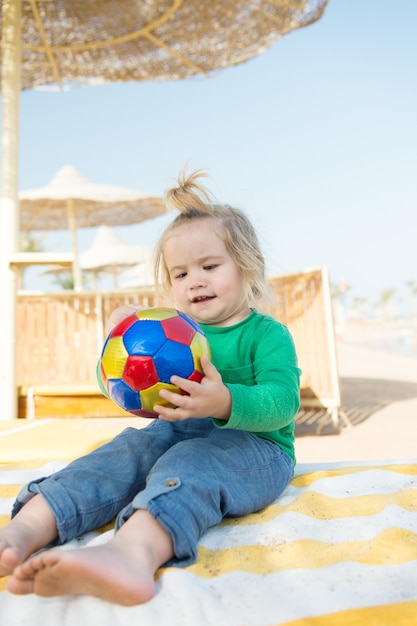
303, 304
61, 335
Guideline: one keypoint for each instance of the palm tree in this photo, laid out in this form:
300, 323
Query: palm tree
385, 299
412, 292
28, 242
65, 280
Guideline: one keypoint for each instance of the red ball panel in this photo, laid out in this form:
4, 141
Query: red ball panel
140, 372
177, 329
196, 376
123, 326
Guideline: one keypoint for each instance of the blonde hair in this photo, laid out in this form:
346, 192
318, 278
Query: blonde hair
195, 202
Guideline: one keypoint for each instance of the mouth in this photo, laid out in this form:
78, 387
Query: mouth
198, 299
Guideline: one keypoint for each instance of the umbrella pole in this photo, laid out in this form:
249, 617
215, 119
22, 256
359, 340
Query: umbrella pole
115, 279
76, 271
9, 206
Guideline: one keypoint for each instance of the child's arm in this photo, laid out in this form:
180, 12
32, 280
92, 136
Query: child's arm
273, 400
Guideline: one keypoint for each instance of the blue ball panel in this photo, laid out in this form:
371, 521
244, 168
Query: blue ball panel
144, 337
123, 395
173, 358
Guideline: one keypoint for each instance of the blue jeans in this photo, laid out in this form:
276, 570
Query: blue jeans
188, 475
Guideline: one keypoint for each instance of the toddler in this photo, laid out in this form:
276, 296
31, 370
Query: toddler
225, 449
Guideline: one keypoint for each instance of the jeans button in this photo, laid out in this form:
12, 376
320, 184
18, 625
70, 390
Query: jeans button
171, 482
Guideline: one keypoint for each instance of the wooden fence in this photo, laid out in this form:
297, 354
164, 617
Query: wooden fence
60, 337
304, 305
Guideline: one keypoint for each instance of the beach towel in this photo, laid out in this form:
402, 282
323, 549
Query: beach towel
338, 548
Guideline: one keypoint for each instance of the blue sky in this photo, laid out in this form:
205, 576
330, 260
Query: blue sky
316, 139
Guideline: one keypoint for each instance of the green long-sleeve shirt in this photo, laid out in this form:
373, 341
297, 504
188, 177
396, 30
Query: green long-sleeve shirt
257, 361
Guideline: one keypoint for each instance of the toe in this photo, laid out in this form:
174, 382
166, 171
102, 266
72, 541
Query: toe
19, 587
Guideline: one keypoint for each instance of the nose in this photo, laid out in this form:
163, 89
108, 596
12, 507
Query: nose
196, 279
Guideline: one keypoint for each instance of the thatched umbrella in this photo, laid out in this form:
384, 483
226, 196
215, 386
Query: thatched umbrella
140, 275
109, 254
88, 42
71, 201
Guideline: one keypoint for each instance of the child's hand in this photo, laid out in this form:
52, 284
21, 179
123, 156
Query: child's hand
210, 397
119, 314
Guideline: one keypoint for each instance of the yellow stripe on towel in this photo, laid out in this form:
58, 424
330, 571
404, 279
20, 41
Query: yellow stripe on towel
10, 491
22, 465
391, 546
4, 519
319, 506
401, 614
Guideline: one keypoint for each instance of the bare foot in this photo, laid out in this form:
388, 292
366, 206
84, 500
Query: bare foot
31, 529
101, 571
121, 571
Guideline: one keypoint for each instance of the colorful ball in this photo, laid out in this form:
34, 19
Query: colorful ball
141, 354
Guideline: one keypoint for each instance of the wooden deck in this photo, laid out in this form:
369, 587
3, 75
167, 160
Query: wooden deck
62, 336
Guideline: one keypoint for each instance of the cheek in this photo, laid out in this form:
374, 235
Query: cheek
233, 280
178, 290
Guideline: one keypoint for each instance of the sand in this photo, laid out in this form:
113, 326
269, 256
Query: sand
379, 396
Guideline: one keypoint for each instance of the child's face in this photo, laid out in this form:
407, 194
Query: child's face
206, 282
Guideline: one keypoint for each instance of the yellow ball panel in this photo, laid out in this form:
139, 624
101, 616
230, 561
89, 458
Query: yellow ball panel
157, 313
114, 357
199, 346
149, 397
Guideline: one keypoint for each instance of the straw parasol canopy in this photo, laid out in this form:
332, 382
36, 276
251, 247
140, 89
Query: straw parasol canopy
71, 201
109, 254
140, 275
109, 250
89, 42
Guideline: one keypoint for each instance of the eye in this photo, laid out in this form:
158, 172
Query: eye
209, 267
180, 275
